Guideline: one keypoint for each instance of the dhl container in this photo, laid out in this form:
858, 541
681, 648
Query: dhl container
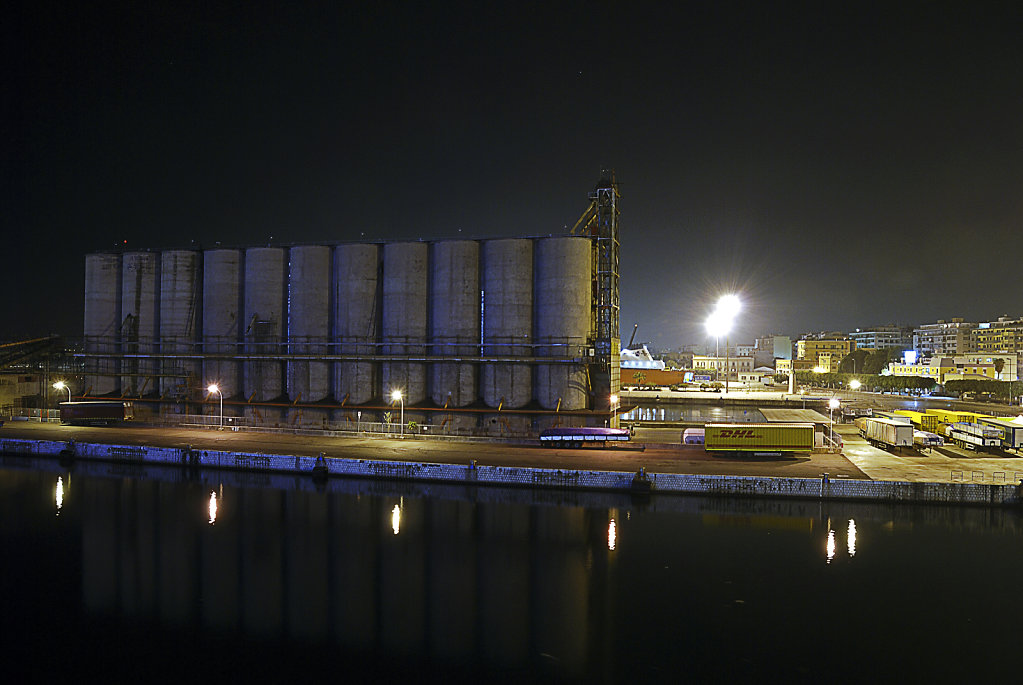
921, 419
758, 437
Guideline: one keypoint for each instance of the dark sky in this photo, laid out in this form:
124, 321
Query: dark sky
841, 164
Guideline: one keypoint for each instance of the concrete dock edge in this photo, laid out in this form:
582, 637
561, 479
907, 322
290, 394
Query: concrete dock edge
642, 484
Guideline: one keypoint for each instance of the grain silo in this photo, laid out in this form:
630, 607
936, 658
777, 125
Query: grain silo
309, 270
563, 309
356, 326
262, 322
138, 322
403, 329
507, 321
102, 321
221, 317
454, 320
180, 274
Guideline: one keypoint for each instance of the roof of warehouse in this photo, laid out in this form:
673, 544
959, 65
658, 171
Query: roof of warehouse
793, 416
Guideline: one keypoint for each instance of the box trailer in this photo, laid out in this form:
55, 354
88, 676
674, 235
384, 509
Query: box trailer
887, 432
693, 436
758, 438
1012, 432
921, 419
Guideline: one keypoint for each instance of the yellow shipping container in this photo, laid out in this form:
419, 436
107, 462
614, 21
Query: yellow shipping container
758, 437
922, 420
950, 416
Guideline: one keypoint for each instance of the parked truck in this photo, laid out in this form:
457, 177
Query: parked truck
975, 436
1012, 432
758, 438
882, 432
96, 412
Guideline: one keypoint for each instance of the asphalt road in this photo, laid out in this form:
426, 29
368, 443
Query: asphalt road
674, 459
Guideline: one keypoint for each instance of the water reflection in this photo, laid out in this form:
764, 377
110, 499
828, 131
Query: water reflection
689, 412
852, 538
612, 535
831, 545
60, 494
213, 507
396, 519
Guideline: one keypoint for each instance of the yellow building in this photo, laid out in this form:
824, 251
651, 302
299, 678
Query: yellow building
826, 353
786, 366
964, 367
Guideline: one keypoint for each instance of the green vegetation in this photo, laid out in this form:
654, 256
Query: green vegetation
869, 382
867, 362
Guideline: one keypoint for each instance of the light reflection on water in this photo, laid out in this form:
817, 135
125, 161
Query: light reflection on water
519, 579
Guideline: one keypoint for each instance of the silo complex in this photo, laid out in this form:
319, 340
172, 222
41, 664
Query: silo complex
221, 314
180, 272
403, 331
454, 320
308, 321
138, 322
563, 287
262, 320
357, 281
102, 321
507, 321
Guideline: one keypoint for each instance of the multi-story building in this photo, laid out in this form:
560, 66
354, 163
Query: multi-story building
1002, 336
786, 366
883, 337
960, 367
944, 338
777, 346
825, 352
734, 364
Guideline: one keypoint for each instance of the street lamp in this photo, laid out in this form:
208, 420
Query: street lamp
614, 405
214, 388
396, 397
854, 384
720, 323
61, 385
833, 404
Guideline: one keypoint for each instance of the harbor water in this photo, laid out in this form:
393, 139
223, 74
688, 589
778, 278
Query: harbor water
118, 572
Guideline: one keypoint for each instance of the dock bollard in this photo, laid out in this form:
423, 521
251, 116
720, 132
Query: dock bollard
320, 468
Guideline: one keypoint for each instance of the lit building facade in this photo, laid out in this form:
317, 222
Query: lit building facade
883, 337
944, 338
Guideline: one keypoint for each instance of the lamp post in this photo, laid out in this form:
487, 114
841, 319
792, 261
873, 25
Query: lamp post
214, 388
396, 397
720, 323
61, 385
833, 404
614, 405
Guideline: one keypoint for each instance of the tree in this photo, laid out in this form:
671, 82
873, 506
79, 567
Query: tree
639, 377
853, 362
999, 365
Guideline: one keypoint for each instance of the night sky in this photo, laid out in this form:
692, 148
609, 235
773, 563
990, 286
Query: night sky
841, 165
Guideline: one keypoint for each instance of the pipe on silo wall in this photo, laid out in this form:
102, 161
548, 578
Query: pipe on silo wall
507, 321
102, 321
138, 322
404, 319
454, 320
563, 304
263, 321
308, 321
221, 316
356, 324
180, 304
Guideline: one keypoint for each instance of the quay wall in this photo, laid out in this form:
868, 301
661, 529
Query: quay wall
566, 479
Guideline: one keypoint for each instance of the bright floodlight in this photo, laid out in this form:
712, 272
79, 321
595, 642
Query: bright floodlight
213, 388
833, 403
396, 395
729, 306
718, 325
59, 385
614, 399
854, 384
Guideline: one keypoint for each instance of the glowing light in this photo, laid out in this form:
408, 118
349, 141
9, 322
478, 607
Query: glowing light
819, 369
831, 545
729, 305
833, 403
852, 538
614, 400
396, 395
612, 535
213, 388
213, 507
396, 519
60, 494
854, 384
